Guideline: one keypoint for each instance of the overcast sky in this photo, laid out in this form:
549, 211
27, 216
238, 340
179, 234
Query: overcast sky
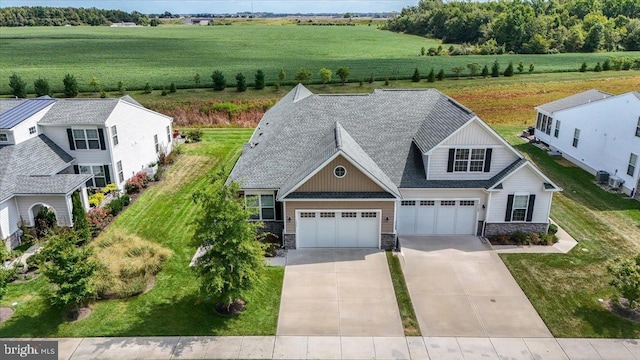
226, 6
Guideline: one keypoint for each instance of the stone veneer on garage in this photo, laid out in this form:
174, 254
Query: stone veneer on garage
508, 228
387, 241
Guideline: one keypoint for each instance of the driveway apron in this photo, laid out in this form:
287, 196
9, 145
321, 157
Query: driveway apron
459, 286
338, 292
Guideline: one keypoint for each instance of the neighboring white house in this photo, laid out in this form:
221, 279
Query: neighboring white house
361, 170
51, 148
596, 131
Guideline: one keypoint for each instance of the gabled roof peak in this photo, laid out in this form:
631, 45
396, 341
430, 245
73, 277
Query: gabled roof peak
301, 93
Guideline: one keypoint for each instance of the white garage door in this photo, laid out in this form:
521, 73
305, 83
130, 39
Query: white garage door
437, 217
338, 229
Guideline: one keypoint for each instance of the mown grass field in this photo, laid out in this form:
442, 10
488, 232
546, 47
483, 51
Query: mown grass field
161, 55
174, 306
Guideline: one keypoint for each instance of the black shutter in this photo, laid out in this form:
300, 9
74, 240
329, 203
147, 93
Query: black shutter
487, 160
507, 215
452, 156
72, 145
107, 175
279, 211
532, 201
76, 169
103, 146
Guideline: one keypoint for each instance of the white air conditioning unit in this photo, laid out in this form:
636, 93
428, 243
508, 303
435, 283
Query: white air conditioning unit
615, 182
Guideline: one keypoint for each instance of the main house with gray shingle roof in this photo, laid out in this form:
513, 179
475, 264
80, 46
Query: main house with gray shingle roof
51, 148
359, 170
596, 131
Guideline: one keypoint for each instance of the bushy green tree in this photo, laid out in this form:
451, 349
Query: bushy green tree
196, 79
457, 71
80, 222
606, 65
302, 75
531, 68
473, 68
583, 67
508, 72
259, 83
595, 38
343, 74
69, 270
432, 76
121, 88
233, 262
94, 83
598, 67
520, 67
416, 75
495, 68
219, 82
241, 82
172, 88
147, 88
440, 75
282, 75
626, 278
41, 87
325, 75
18, 86
485, 71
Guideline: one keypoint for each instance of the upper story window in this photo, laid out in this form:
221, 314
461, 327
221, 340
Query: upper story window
114, 135
576, 137
32, 130
262, 206
556, 132
633, 160
4, 137
469, 160
638, 128
340, 171
86, 139
168, 134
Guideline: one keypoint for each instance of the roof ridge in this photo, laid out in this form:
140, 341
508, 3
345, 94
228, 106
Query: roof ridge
338, 133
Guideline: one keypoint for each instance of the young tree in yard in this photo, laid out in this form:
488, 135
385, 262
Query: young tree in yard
147, 88
325, 75
343, 74
196, 79
485, 72
259, 84
440, 75
583, 67
69, 270
303, 75
626, 278
70, 86
432, 76
508, 72
531, 68
80, 222
520, 67
18, 86
474, 68
241, 83
219, 83
172, 88
41, 87
457, 70
94, 83
416, 75
282, 75
598, 67
495, 69
233, 262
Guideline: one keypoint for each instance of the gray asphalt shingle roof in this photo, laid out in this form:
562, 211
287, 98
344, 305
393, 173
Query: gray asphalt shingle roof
574, 100
79, 111
297, 134
58, 184
20, 111
36, 156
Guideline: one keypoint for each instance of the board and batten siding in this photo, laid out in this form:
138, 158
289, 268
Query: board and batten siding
471, 136
61, 205
9, 218
525, 181
387, 208
325, 180
136, 128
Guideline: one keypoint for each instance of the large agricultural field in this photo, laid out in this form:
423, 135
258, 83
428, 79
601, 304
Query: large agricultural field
165, 54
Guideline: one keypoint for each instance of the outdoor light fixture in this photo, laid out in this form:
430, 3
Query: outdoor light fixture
289, 218
386, 219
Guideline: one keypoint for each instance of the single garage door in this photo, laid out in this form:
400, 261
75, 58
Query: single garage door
338, 228
437, 217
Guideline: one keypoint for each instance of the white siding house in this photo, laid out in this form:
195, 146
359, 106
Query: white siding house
596, 131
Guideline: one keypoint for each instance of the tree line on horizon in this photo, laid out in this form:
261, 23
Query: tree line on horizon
521, 26
53, 16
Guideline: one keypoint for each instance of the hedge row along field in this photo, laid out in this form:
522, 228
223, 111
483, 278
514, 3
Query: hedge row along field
162, 55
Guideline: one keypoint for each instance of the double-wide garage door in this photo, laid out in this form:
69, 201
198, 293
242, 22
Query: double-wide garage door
338, 228
437, 217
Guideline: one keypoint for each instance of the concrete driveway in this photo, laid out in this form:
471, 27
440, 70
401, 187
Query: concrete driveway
338, 292
460, 287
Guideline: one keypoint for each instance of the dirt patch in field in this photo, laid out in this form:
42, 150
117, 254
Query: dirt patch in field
186, 169
564, 162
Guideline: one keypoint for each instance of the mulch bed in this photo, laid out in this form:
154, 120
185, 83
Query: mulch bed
82, 313
5, 313
621, 309
236, 307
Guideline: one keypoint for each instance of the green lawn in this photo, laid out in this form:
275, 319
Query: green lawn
405, 306
174, 307
565, 289
161, 55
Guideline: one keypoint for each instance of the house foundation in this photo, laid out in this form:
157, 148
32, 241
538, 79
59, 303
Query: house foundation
508, 228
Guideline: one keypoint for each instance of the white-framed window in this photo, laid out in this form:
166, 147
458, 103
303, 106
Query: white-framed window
549, 122
99, 179
155, 141
340, 171
539, 121
469, 160
262, 206
32, 130
86, 139
168, 134
556, 132
638, 128
114, 135
576, 137
520, 207
633, 160
120, 172
543, 127
4, 137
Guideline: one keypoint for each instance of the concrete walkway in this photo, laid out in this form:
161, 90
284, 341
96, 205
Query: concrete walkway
327, 347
